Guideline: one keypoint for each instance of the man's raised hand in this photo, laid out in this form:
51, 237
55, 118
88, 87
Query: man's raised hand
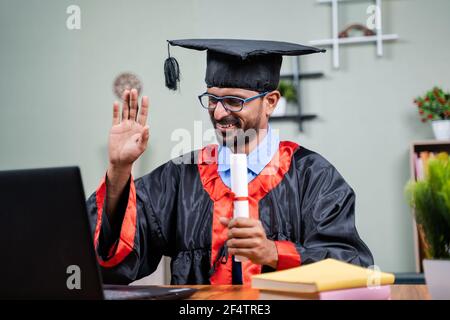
128, 139
129, 133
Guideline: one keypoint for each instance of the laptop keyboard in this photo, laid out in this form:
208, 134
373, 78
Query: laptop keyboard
145, 292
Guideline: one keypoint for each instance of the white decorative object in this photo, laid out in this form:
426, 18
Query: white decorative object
437, 276
335, 41
280, 109
441, 129
239, 186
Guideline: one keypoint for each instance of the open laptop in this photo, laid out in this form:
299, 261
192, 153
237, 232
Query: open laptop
46, 245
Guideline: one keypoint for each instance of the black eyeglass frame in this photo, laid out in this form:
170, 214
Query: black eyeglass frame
220, 99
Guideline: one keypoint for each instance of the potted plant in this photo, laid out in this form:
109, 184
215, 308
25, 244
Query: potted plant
288, 94
434, 106
430, 199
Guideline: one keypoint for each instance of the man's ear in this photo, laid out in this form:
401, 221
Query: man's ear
270, 102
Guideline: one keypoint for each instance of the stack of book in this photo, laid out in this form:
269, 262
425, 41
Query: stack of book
325, 280
421, 163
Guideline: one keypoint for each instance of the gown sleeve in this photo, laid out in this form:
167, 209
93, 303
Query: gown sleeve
328, 218
134, 248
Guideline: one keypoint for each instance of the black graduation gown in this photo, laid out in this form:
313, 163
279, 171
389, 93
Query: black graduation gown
304, 204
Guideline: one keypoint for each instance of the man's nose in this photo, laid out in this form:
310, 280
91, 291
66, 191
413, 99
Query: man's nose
220, 111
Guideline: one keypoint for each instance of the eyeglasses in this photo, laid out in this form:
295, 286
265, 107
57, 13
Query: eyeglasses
230, 103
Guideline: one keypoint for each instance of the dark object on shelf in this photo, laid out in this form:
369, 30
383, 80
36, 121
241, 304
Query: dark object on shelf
359, 27
306, 75
294, 117
409, 278
295, 77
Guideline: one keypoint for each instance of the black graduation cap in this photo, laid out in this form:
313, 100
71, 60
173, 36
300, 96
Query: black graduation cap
234, 63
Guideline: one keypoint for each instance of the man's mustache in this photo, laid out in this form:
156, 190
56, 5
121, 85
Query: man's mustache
227, 121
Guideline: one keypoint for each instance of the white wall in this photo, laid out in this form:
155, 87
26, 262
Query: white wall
56, 89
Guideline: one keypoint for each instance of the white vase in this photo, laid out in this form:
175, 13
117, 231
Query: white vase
280, 109
437, 276
441, 129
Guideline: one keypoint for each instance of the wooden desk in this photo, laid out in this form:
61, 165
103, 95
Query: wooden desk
235, 292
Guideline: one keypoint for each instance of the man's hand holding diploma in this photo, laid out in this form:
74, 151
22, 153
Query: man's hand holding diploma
247, 238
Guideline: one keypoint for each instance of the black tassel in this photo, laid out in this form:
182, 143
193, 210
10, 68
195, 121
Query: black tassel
171, 71
222, 258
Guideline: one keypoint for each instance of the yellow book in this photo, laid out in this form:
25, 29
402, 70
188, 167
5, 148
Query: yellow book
329, 274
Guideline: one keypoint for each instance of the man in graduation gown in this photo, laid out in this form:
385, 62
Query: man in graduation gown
301, 208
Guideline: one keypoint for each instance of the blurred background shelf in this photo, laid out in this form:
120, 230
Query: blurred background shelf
305, 75
336, 40
302, 117
296, 78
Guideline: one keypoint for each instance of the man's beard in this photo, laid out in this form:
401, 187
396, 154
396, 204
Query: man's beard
237, 137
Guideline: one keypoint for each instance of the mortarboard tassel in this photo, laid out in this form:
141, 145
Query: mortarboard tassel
171, 71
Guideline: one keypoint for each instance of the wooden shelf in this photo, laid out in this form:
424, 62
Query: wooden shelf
416, 147
427, 144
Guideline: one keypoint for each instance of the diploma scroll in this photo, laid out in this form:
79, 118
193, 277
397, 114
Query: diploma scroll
239, 186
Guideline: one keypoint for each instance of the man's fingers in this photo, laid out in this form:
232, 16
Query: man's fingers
243, 243
224, 221
143, 111
116, 117
144, 137
242, 252
125, 104
133, 104
243, 223
244, 233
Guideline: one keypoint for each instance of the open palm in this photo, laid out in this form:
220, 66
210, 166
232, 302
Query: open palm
129, 133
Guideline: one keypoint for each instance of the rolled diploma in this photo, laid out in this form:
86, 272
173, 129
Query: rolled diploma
239, 186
